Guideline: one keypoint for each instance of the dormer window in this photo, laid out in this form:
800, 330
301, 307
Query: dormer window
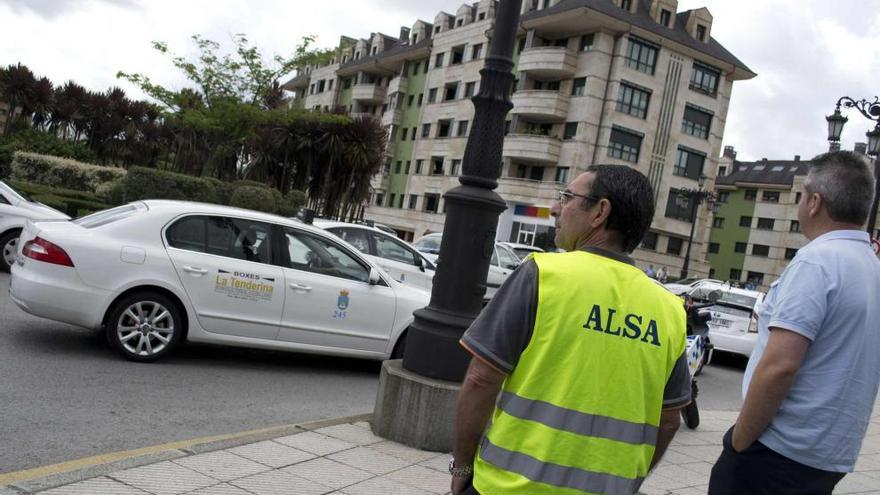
626, 5
481, 16
436, 29
701, 33
459, 22
665, 17
373, 50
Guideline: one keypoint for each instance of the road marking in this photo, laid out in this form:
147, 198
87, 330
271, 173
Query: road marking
86, 462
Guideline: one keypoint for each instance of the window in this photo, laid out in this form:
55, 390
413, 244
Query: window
409, 100
546, 85
380, 198
579, 86
413, 199
756, 277
457, 55
722, 171
641, 56
711, 273
770, 196
570, 131
689, 163
701, 32
745, 222
674, 246
419, 101
438, 60
536, 173
649, 241
678, 207
704, 79
449, 91
431, 202
346, 83
795, 226
403, 134
477, 51
587, 42
718, 222
469, 89
723, 197
740, 247
624, 145
790, 253
413, 134
456, 164
400, 201
797, 198
221, 236
714, 247
462, 128
696, 122
315, 254
735, 274
359, 238
665, 17
391, 200
419, 166
443, 128
562, 174
415, 68
390, 248
437, 165
426, 130
766, 223
330, 85
432, 95
626, 4
633, 100
481, 16
406, 169
398, 167
751, 194
425, 66
760, 250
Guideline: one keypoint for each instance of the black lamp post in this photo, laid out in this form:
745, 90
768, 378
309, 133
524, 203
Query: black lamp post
871, 111
693, 197
432, 348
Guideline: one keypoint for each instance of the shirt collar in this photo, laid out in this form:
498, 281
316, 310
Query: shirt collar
609, 254
846, 235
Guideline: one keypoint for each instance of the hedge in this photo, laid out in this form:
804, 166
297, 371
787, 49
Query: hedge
73, 203
150, 183
39, 142
254, 198
61, 172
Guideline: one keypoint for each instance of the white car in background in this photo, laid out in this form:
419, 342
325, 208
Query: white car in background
733, 327
15, 211
403, 262
504, 261
683, 286
522, 250
155, 273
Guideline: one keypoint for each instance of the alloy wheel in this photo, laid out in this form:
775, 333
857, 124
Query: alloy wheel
9, 251
145, 328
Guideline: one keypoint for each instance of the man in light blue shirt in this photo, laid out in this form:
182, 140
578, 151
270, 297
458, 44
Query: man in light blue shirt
812, 380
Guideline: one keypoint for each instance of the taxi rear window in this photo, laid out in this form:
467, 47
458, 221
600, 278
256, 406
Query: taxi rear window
106, 216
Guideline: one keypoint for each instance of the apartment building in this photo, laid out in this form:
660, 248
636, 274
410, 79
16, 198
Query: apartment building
597, 81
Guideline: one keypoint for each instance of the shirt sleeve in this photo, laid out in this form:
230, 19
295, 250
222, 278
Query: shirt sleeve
678, 388
801, 299
503, 329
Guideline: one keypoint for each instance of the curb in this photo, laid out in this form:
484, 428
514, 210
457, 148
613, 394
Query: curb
185, 448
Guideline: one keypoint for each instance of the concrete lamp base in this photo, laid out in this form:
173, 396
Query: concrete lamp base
414, 410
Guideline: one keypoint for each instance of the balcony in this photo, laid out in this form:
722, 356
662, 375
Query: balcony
548, 62
528, 191
541, 105
398, 85
368, 93
532, 148
392, 117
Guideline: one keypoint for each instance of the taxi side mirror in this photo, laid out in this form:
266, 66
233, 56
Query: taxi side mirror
375, 278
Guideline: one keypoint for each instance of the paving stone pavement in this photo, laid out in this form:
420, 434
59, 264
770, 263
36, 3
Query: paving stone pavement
347, 459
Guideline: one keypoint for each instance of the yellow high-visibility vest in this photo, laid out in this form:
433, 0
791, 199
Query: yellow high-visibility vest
581, 410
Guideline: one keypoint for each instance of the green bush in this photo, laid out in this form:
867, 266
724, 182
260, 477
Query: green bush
255, 198
40, 142
61, 172
291, 202
112, 193
150, 183
38, 189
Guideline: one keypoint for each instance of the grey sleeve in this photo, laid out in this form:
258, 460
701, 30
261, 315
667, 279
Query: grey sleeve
678, 387
503, 329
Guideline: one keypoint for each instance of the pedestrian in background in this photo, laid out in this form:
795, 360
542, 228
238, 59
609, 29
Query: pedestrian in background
586, 351
812, 379
661, 275
650, 271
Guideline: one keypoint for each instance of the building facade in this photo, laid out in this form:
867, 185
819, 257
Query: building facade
597, 81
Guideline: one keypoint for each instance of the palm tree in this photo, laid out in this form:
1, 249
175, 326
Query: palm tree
17, 84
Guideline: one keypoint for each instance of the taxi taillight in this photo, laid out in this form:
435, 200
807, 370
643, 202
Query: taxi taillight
753, 324
42, 250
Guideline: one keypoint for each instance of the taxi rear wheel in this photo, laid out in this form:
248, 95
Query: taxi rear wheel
144, 326
9, 246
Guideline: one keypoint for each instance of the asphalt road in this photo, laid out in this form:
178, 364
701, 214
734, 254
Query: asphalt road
64, 394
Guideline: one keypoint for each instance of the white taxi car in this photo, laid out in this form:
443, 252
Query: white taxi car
733, 326
155, 273
396, 257
15, 211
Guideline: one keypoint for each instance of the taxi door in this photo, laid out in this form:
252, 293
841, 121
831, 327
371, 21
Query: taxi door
330, 302
223, 265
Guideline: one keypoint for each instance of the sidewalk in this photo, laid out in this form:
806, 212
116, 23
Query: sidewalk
347, 459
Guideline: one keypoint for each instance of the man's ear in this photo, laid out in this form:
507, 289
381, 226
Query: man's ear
815, 203
604, 212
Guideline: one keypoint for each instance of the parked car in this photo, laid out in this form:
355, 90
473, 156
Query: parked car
155, 273
504, 261
733, 327
402, 261
15, 210
686, 285
522, 250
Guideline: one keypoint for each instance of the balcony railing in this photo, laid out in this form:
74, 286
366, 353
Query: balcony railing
532, 147
541, 105
398, 85
548, 62
368, 92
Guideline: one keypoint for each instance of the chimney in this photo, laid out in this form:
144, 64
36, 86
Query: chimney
404, 34
861, 148
729, 152
834, 146
797, 158
763, 159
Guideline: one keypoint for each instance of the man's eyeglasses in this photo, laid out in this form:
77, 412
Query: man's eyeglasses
565, 196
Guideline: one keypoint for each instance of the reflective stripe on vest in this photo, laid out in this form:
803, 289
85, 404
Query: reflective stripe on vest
580, 411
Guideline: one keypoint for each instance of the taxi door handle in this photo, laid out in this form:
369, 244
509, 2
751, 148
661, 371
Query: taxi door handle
301, 287
193, 269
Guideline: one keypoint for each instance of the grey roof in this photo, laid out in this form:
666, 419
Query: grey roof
771, 172
642, 19
395, 50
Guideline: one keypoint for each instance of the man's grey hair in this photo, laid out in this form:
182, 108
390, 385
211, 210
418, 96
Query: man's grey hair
846, 184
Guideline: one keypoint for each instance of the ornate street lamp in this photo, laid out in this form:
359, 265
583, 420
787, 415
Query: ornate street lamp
694, 198
836, 121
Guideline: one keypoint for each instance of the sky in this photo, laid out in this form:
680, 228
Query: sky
807, 53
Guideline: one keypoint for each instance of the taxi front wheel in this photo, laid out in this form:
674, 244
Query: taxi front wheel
144, 326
